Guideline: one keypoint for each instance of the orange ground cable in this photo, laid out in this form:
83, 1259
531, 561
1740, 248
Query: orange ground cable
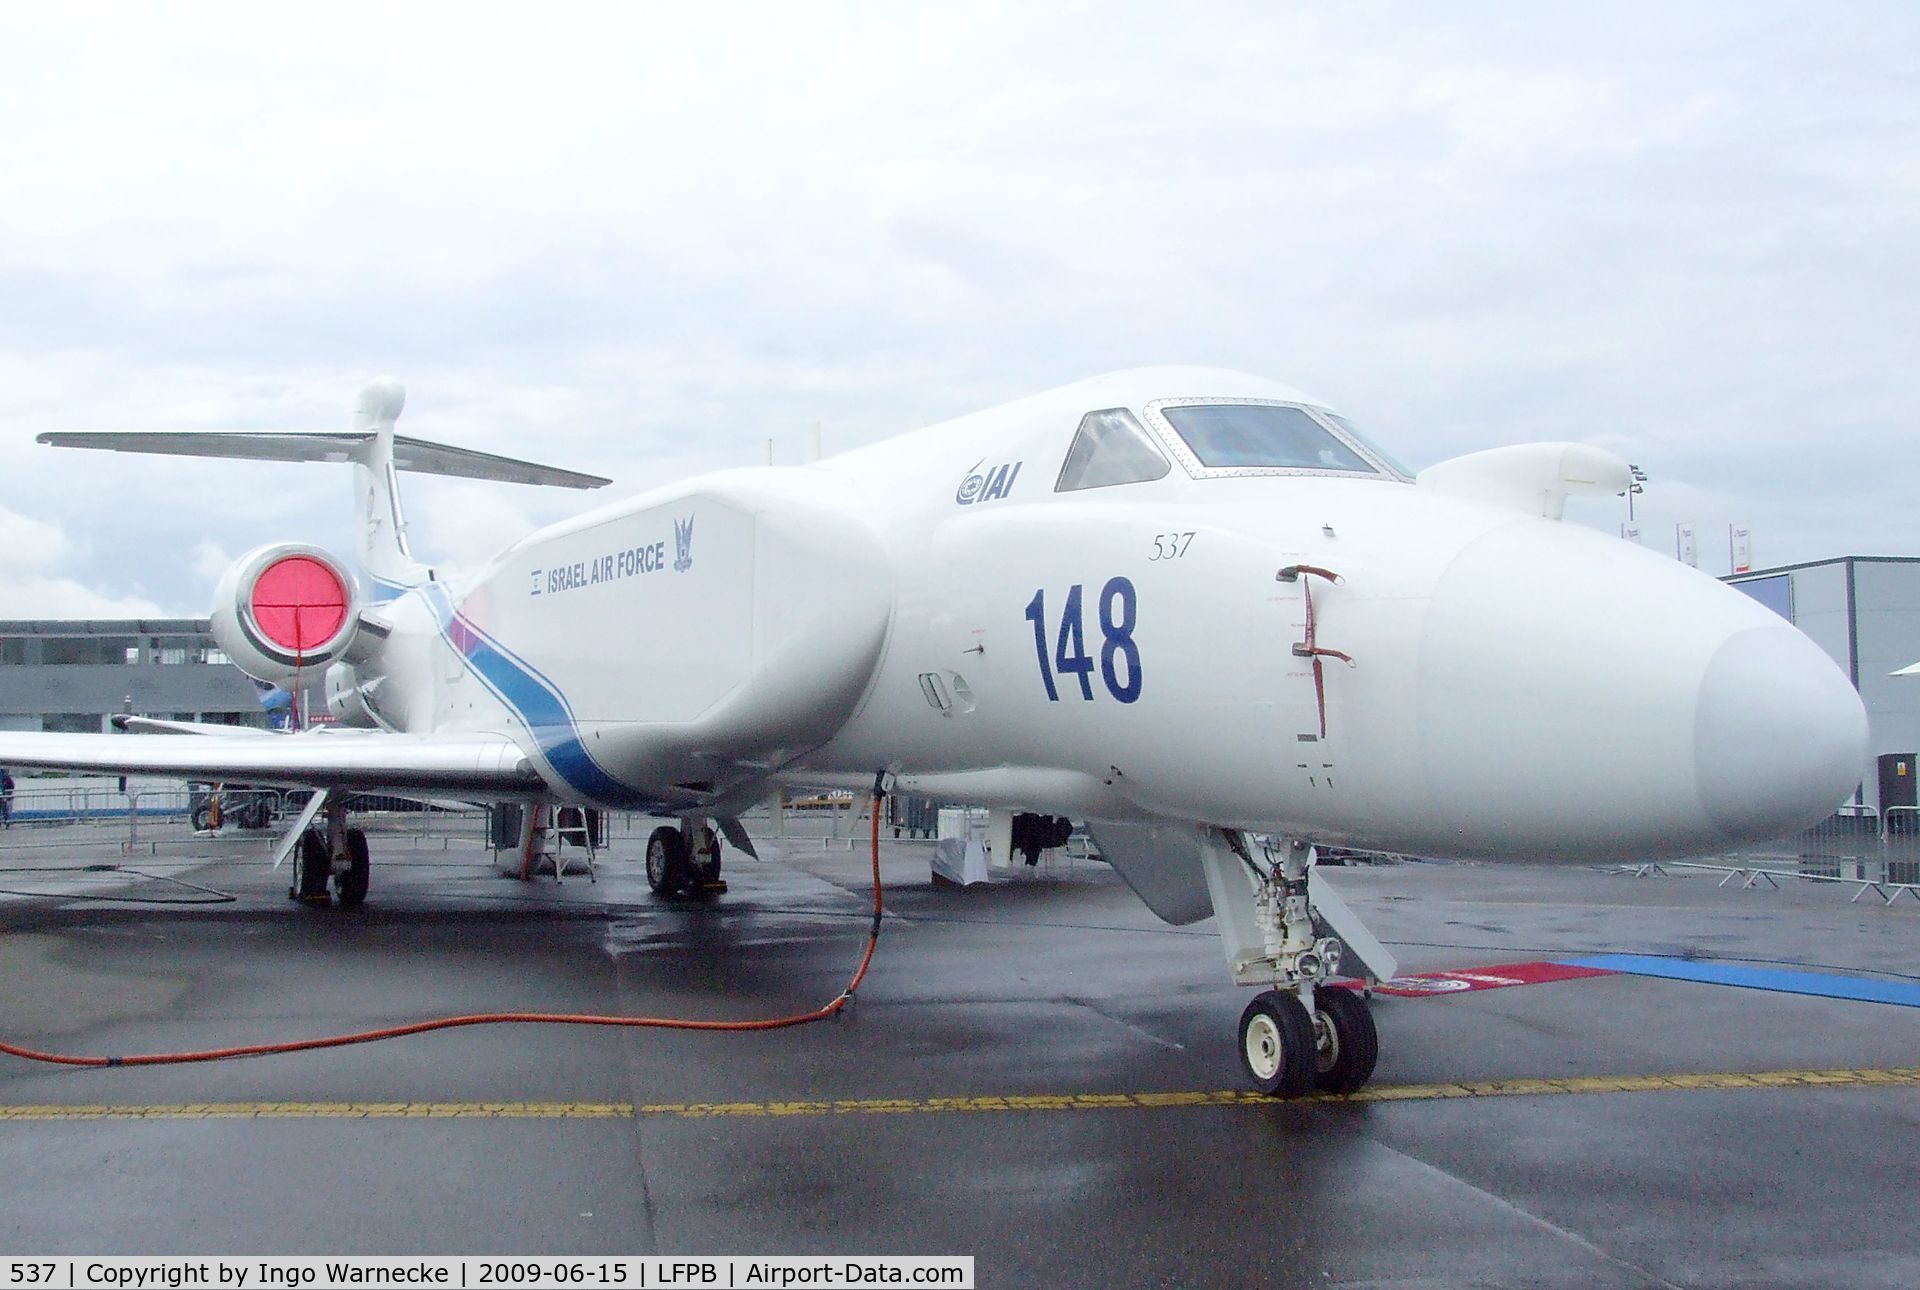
821, 1013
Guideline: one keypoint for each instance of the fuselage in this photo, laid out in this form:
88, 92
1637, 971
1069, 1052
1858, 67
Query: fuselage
993, 613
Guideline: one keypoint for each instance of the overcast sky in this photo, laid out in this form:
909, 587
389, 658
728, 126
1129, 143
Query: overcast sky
642, 240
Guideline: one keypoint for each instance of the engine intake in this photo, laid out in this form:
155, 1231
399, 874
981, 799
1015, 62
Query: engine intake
284, 609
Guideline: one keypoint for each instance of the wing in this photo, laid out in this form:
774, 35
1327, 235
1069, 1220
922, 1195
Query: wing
366, 760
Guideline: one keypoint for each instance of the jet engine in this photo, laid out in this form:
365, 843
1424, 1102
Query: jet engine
284, 609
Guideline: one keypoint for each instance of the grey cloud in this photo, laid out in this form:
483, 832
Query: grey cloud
642, 241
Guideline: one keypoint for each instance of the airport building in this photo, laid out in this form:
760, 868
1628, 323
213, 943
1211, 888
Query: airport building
1864, 611
74, 675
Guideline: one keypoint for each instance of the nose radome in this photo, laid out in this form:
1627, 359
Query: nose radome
1780, 735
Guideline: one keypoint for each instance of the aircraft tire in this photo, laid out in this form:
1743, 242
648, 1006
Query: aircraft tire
1347, 1045
668, 866
311, 871
1276, 1044
351, 886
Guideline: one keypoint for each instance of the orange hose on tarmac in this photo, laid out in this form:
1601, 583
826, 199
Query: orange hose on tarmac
495, 1018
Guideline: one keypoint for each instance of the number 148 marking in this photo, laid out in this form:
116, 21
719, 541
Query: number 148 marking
1118, 652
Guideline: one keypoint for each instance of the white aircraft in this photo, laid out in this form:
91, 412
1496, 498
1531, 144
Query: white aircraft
1195, 609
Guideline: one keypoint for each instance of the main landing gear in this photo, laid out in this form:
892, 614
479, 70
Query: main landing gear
330, 853
684, 861
1302, 1034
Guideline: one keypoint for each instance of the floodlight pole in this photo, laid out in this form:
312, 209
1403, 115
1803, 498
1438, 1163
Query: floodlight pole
1636, 484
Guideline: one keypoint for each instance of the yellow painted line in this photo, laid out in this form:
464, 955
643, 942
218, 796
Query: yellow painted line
328, 1111
1890, 1077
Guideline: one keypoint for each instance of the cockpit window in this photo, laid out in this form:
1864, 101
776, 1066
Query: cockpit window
1262, 436
1368, 442
1111, 448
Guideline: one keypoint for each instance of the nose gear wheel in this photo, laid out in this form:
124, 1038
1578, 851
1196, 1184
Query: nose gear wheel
1277, 1049
1345, 1041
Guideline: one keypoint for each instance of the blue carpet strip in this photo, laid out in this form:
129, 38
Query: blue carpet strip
1906, 994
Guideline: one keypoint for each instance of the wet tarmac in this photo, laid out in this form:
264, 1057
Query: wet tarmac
1038, 1074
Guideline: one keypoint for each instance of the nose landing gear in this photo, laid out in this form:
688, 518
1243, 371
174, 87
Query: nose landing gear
1301, 1034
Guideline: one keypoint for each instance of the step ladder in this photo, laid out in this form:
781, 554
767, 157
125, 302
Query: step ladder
549, 832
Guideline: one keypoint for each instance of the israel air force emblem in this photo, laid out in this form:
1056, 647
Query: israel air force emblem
683, 544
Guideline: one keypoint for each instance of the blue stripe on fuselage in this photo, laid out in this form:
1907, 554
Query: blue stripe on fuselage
534, 699
384, 591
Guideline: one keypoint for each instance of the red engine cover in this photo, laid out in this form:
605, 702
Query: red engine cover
299, 603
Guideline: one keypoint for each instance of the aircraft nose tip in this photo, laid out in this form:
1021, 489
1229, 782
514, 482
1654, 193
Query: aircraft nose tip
1780, 735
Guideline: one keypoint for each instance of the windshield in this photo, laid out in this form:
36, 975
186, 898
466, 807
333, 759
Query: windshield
1262, 436
1368, 442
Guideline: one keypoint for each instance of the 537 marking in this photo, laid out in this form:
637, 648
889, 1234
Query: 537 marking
1170, 546
1119, 655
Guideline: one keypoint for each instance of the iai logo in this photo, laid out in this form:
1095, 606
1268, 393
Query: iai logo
683, 545
984, 486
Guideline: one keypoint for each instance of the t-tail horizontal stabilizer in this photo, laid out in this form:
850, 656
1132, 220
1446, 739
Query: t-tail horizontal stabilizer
418, 455
370, 445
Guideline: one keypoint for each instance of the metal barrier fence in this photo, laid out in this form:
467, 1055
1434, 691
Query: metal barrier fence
179, 819
1854, 847
41, 806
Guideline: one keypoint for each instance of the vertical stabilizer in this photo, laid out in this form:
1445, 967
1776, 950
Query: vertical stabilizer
380, 524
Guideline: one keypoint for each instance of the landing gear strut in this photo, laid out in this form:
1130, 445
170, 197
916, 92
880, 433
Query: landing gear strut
1301, 1034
